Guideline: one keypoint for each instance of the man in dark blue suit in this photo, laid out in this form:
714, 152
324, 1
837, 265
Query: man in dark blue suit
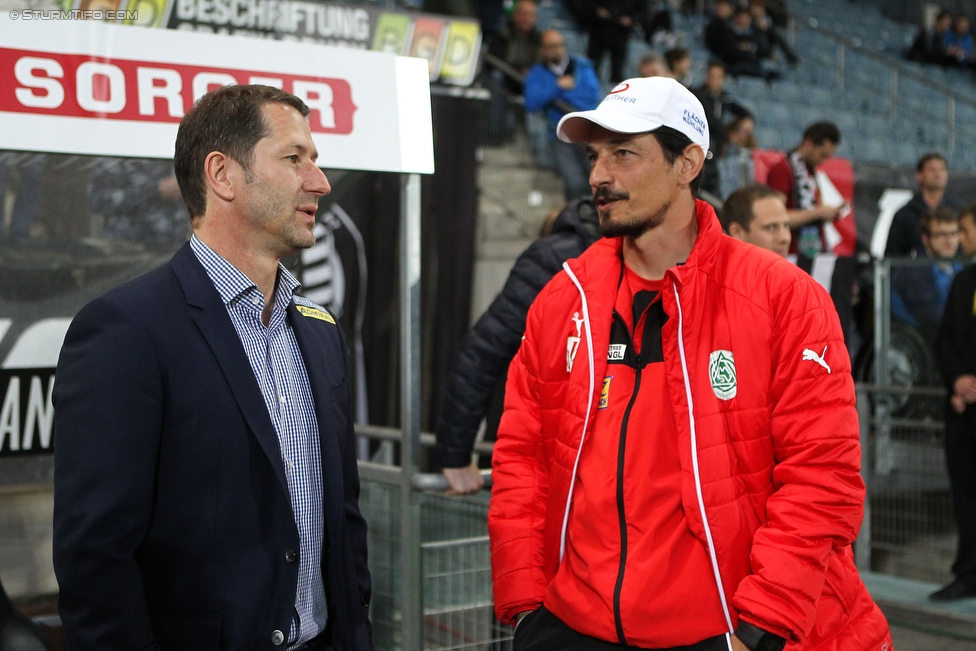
206, 488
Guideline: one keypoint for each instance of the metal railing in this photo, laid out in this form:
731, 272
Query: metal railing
430, 561
908, 527
850, 69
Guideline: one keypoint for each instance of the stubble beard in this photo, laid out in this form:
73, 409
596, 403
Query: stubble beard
634, 227
268, 207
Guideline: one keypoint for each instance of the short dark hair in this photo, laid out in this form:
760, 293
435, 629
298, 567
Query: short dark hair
673, 144
820, 132
940, 215
738, 207
929, 156
674, 55
715, 63
228, 120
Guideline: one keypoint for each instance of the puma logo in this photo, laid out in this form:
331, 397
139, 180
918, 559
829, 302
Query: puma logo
809, 355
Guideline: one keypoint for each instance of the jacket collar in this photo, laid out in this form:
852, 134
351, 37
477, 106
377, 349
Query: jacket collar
217, 329
604, 257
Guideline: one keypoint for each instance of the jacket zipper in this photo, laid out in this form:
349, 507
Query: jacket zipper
621, 514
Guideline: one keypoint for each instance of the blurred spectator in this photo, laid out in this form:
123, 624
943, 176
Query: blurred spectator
778, 12
905, 236
918, 294
795, 177
488, 348
652, 64
679, 64
517, 48
517, 43
930, 44
967, 231
657, 24
29, 171
490, 15
730, 37
559, 84
718, 32
719, 107
767, 34
959, 43
756, 214
735, 166
956, 351
139, 200
609, 29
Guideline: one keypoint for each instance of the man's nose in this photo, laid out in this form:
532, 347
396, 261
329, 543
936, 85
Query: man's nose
316, 182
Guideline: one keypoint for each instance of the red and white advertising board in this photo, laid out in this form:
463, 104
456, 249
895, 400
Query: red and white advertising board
85, 87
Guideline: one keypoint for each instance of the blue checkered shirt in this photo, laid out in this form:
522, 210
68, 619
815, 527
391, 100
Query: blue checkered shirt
280, 371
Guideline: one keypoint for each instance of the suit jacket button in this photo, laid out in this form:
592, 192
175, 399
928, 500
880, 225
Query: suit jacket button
290, 556
277, 637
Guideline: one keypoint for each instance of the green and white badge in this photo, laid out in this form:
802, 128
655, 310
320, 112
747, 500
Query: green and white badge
721, 372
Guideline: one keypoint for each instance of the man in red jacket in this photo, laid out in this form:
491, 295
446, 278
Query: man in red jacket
678, 462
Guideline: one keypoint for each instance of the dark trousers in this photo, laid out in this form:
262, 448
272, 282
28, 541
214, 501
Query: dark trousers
961, 461
603, 39
542, 631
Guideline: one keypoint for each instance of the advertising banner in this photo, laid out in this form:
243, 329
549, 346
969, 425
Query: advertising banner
91, 88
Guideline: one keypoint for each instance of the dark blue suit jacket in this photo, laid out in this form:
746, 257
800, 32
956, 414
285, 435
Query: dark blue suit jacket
172, 517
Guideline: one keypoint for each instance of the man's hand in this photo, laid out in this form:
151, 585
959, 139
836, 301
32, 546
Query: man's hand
828, 213
958, 404
737, 645
625, 21
965, 387
601, 12
463, 480
566, 82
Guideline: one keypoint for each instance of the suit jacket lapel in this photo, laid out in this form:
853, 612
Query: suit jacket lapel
324, 371
215, 325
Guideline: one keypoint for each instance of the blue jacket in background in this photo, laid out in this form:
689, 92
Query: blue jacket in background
542, 91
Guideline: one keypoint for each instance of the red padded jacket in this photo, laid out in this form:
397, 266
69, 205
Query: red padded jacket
767, 432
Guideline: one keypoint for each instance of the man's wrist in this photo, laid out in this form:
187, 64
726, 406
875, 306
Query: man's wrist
758, 639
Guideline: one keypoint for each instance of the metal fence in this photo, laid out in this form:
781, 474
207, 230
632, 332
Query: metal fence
908, 530
455, 610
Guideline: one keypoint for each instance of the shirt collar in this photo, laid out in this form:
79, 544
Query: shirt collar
231, 283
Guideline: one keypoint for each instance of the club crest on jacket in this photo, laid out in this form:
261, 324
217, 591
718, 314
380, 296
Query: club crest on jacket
721, 372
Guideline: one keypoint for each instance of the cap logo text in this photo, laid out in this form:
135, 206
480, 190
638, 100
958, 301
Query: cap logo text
696, 122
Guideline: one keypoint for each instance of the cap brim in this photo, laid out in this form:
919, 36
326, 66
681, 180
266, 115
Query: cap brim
576, 127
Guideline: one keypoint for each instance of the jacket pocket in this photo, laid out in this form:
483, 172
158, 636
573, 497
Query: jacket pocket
186, 632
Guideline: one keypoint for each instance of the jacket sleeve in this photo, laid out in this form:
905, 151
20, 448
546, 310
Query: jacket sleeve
516, 513
816, 506
107, 426
540, 88
487, 350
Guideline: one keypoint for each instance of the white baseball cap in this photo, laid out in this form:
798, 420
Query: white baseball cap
639, 105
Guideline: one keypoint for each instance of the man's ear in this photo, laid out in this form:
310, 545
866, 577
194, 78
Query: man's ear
690, 164
218, 169
736, 231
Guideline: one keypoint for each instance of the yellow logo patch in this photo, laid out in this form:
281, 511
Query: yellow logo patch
605, 393
312, 313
